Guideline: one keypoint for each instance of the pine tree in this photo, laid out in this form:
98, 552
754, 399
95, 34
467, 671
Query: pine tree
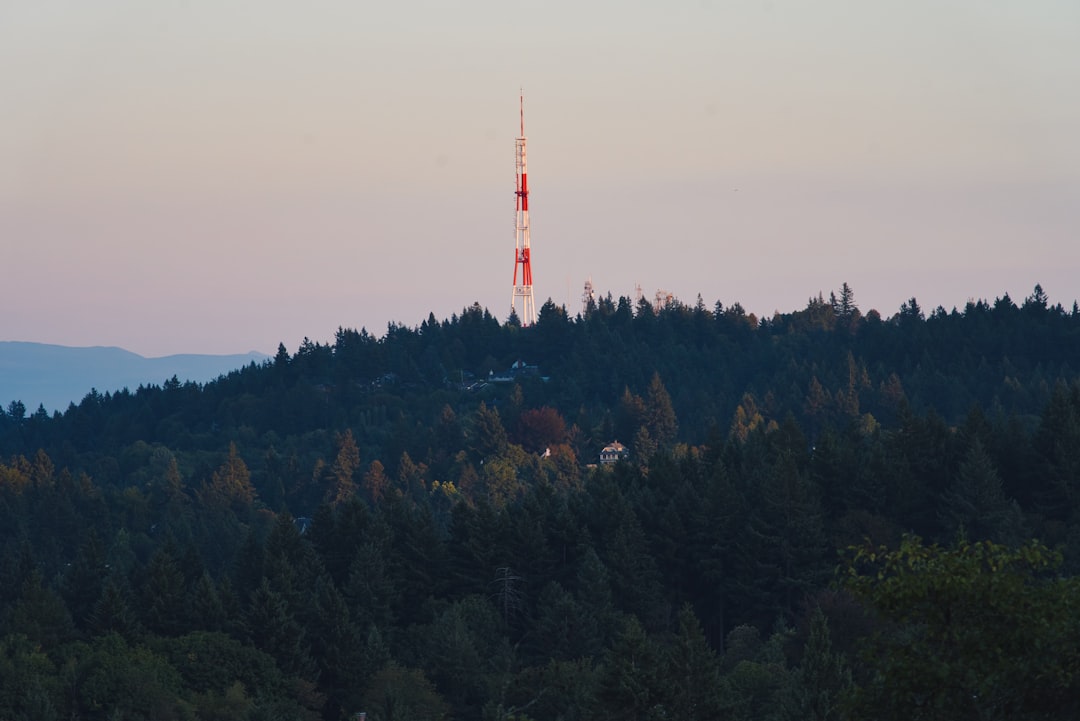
410, 478
250, 566
41, 614
847, 305
644, 447
342, 483
336, 644
230, 486
113, 613
271, 627
561, 632
164, 600
207, 610
375, 482
1057, 442
292, 567
635, 579
975, 505
631, 683
488, 438
630, 415
84, 580
593, 592
787, 538
692, 671
822, 679
660, 414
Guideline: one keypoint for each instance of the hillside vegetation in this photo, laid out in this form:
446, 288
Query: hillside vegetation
823, 514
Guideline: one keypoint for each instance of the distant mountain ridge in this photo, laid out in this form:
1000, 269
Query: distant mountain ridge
54, 375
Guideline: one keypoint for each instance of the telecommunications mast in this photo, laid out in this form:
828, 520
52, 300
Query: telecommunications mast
524, 290
588, 298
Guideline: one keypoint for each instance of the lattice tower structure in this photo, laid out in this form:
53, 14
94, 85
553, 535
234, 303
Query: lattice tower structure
522, 252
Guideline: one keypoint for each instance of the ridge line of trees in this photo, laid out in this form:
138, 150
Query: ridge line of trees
369, 525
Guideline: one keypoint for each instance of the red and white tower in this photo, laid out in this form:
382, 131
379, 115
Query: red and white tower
523, 290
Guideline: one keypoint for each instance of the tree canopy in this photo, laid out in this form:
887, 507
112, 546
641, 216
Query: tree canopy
420, 524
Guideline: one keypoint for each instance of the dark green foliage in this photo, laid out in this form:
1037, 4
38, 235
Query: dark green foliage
271, 627
757, 680
207, 610
693, 673
371, 593
369, 526
163, 597
337, 646
40, 614
488, 435
563, 630
631, 680
822, 680
31, 685
660, 417
462, 652
635, 580
402, 694
975, 506
562, 690
213, 662
113, 613
84, 579
109, 676
976, 631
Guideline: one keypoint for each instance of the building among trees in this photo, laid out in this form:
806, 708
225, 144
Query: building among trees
613, 452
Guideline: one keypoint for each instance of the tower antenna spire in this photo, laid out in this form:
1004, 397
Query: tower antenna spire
522, 254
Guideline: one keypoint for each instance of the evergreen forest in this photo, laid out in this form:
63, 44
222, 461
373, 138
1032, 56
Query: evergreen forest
825, 514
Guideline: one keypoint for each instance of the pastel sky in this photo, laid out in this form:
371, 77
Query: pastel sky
218, 176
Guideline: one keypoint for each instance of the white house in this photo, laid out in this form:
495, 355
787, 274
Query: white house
613, 452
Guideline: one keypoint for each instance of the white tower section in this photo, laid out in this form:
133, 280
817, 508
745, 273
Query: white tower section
522, 260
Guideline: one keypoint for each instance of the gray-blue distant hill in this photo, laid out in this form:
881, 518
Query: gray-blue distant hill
53, 376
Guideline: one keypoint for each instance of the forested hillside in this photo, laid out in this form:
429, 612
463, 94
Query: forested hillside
823, 514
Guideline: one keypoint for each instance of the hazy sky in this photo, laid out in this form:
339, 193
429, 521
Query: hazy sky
217, 176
